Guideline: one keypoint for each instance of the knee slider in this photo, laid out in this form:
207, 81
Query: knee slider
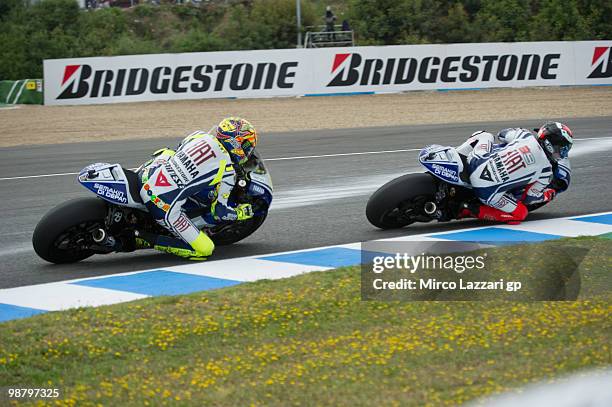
203, 245
520, 213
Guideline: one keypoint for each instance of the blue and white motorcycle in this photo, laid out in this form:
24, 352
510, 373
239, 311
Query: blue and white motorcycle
438, 194
82, 227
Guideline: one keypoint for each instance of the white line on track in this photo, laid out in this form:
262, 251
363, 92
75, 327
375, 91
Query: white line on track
328, 191
268, 159
342, 154
304, 157
15, 249
39, 176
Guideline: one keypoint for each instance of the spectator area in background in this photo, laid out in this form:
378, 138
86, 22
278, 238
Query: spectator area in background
217, 25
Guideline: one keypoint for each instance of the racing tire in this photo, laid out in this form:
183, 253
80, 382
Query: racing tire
238, 231
64, 222
387, 200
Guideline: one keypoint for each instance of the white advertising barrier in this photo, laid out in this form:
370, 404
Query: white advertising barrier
296, 72
137, 78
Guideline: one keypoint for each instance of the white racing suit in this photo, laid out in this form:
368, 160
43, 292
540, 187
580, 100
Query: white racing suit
497, 172
199, 166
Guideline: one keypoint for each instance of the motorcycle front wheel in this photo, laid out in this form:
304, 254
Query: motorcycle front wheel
237, 231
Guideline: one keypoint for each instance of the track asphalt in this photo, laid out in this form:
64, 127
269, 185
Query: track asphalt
320, 196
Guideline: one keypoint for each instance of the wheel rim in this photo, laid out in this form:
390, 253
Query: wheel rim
395, 216
401, 214
234, 228
76, 239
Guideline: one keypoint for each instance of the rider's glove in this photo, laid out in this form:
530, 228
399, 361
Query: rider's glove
549, 194
223, 213
244, 211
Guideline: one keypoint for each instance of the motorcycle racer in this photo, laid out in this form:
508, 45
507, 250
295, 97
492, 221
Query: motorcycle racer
203, 164
536, 165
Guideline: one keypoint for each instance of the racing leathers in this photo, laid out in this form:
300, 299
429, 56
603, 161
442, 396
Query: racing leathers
497, 172
199, 167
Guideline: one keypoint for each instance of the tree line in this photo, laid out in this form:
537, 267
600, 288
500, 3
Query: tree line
59, 29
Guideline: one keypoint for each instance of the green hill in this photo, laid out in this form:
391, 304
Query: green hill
58, 29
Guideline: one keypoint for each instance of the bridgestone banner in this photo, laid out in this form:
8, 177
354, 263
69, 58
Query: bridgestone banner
296, 72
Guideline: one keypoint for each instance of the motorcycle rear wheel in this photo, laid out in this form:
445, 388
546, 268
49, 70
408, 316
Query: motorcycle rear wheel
387, 206
59, 234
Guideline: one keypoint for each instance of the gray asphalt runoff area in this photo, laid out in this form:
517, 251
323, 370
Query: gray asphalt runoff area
321, 189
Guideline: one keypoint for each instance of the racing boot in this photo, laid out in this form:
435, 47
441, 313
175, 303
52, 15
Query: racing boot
140, 243
199, 249
469, 210
180, 252
486, 212
203, 246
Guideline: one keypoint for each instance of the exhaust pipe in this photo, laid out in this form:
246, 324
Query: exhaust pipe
102, 238
430, 208
99, 236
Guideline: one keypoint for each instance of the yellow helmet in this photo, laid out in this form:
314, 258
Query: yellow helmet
238, 136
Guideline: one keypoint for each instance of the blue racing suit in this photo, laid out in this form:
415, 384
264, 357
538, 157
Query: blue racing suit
200, 166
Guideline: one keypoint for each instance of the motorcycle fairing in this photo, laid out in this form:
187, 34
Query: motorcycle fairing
261, 186
110, 183
443, 162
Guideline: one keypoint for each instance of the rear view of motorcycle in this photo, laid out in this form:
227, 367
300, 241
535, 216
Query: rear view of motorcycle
438, 194
111, 221
421, 197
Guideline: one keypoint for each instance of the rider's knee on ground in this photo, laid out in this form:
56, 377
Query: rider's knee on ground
203, 245
489, 213
520, 213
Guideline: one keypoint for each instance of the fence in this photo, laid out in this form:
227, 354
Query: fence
318, 39
25, 91
325, 71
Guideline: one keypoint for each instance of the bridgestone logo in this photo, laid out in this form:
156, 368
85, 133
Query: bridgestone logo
602, 62
462, 69
175, 80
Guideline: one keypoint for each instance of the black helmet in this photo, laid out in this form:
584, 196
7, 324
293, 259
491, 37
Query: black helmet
556, 139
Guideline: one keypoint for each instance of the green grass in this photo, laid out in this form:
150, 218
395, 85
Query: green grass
310, 340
